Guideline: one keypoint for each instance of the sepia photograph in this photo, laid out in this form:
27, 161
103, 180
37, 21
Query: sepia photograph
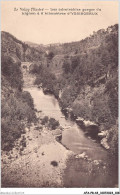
59, 94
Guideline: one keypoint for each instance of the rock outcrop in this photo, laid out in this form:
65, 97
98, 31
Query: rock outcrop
104, 139
57, 134
90, 128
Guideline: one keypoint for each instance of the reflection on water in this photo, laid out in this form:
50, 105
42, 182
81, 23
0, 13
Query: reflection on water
72, 137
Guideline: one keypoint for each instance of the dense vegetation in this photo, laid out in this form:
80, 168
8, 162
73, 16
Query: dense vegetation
10, 70
17, 49
84, 75
17, 105
91, 87
94, 81
17, 110
50, 122
44, 78
88, 78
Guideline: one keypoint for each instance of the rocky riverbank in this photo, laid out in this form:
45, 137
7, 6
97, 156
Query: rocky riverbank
34, 160
38, 160
90, 128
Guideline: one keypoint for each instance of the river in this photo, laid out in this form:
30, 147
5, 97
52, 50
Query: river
73, 136
74, 139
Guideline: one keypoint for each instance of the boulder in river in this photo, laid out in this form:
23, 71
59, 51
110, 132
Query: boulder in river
82, 155
40, 85
104, 143
57, 134
97, 162
80, 121
89, 123
103, 134
104, 139
92, 129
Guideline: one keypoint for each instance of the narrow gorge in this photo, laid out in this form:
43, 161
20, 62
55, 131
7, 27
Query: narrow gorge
60, 112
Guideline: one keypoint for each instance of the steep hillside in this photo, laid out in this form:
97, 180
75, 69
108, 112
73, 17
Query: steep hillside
17, 49
93, 75
98, 46
89, 83
17, 105
86, 78
91, 42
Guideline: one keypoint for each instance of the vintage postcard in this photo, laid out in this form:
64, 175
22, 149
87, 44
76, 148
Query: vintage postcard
59, 97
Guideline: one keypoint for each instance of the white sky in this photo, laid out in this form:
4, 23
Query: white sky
56, 29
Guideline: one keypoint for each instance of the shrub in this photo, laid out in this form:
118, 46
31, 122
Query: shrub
54, 163
26, 97
36, 68
53, 124
24, 144
10, 131
68, 96
101, 111
14, 109
112, 90
44, 120
66, 67
50, 55
82, 110
11, 70
113, 141
45, 77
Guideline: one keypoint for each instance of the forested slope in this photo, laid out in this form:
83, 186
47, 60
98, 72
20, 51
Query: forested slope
84, 77
17, 105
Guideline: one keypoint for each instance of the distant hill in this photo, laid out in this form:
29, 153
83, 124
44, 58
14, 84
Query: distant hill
81, 46
31, 44
95, 44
